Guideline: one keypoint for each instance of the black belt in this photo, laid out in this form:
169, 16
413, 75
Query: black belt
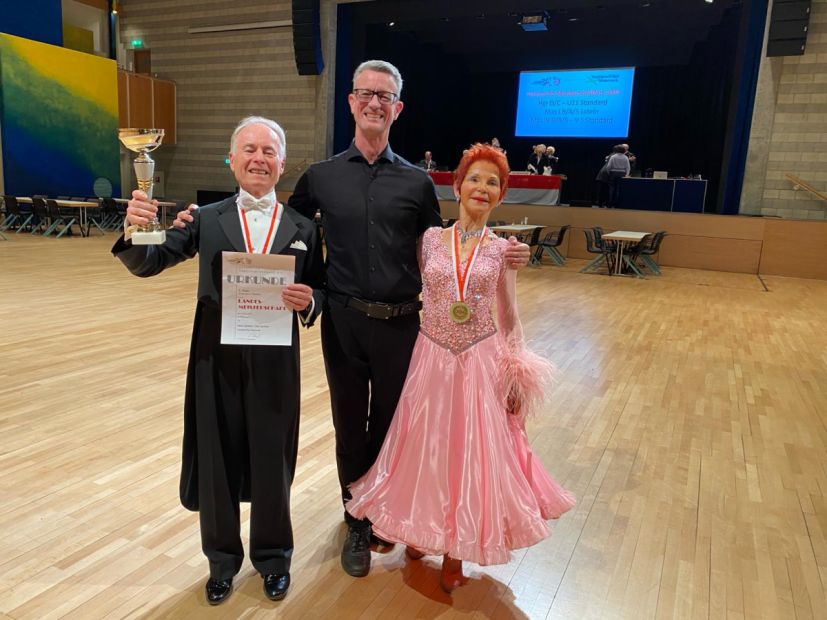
377, 309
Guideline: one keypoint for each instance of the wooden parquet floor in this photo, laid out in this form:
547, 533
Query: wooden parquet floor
689, 418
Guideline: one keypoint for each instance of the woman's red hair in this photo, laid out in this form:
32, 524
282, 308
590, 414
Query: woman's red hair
477, 152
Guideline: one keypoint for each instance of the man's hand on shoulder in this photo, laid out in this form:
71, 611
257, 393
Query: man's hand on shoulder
184, 217
517, 254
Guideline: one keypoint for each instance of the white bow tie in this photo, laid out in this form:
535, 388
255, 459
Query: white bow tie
249, 203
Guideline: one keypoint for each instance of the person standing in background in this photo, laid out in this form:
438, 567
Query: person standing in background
617, 167
551, 160
537, 162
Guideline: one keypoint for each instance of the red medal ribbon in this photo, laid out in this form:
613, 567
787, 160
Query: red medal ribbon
248, 241
462, 274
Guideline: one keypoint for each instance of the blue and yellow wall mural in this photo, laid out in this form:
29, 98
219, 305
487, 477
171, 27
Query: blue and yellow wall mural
59, 119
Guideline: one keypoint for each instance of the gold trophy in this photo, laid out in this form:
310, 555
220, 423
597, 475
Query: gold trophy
144, 141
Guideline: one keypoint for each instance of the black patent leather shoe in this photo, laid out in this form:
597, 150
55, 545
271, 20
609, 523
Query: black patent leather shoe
275, 586
218, 591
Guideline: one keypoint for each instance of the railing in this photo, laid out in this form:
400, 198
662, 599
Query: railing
802, 184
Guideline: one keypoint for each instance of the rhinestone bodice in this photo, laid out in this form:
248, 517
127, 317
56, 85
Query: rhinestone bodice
439, 291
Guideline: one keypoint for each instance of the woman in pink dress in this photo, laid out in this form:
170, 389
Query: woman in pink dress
456, 476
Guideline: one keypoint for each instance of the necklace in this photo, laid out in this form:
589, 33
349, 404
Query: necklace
465, 235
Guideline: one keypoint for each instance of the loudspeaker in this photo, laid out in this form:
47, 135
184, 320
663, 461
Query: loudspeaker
307, 40
789, 23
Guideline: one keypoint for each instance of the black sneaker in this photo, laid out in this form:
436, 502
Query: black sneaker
356, 552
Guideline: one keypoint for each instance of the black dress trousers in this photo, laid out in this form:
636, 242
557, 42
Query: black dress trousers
247, 436
366, 360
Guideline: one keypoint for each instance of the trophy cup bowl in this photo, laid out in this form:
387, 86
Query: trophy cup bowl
144, 141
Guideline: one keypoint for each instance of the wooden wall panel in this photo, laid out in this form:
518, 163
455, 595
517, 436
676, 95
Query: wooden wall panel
795, 248
163, 109
140, 101
715, 253
123, 100
220, 78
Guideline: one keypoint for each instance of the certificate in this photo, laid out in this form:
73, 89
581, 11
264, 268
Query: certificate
252, 311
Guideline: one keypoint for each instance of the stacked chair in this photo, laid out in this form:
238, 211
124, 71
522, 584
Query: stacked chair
643, 252
59, 217
40, 220
549, 246
111, 218
17, 215
604, 251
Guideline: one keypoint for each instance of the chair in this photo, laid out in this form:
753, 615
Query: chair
94, 217
41, 214
110, 216
632, 252
593, 247
611, 246
533, 240
549, 246
653, 247
58, 217
16, 215
598, 239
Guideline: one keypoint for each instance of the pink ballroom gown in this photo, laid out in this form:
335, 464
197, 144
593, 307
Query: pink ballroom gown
456, 474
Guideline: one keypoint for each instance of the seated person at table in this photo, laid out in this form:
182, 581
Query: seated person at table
427, 163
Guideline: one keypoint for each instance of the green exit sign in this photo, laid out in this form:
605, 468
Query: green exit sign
227, 160
137, 43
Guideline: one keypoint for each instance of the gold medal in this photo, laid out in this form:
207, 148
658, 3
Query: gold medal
460, 312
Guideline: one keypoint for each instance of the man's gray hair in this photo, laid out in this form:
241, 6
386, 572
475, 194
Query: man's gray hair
382, 66
260, 120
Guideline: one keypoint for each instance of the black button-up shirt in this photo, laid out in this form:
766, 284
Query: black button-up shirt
372, 216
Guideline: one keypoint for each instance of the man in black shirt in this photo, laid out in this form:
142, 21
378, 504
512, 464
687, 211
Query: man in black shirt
374, 207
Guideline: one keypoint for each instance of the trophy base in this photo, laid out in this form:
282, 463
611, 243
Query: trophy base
154, 237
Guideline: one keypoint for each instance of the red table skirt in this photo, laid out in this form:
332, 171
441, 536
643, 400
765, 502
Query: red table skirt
515, 181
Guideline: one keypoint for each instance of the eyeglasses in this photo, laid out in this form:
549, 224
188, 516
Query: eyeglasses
365, 95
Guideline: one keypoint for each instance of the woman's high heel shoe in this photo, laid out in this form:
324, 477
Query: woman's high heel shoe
451, 576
